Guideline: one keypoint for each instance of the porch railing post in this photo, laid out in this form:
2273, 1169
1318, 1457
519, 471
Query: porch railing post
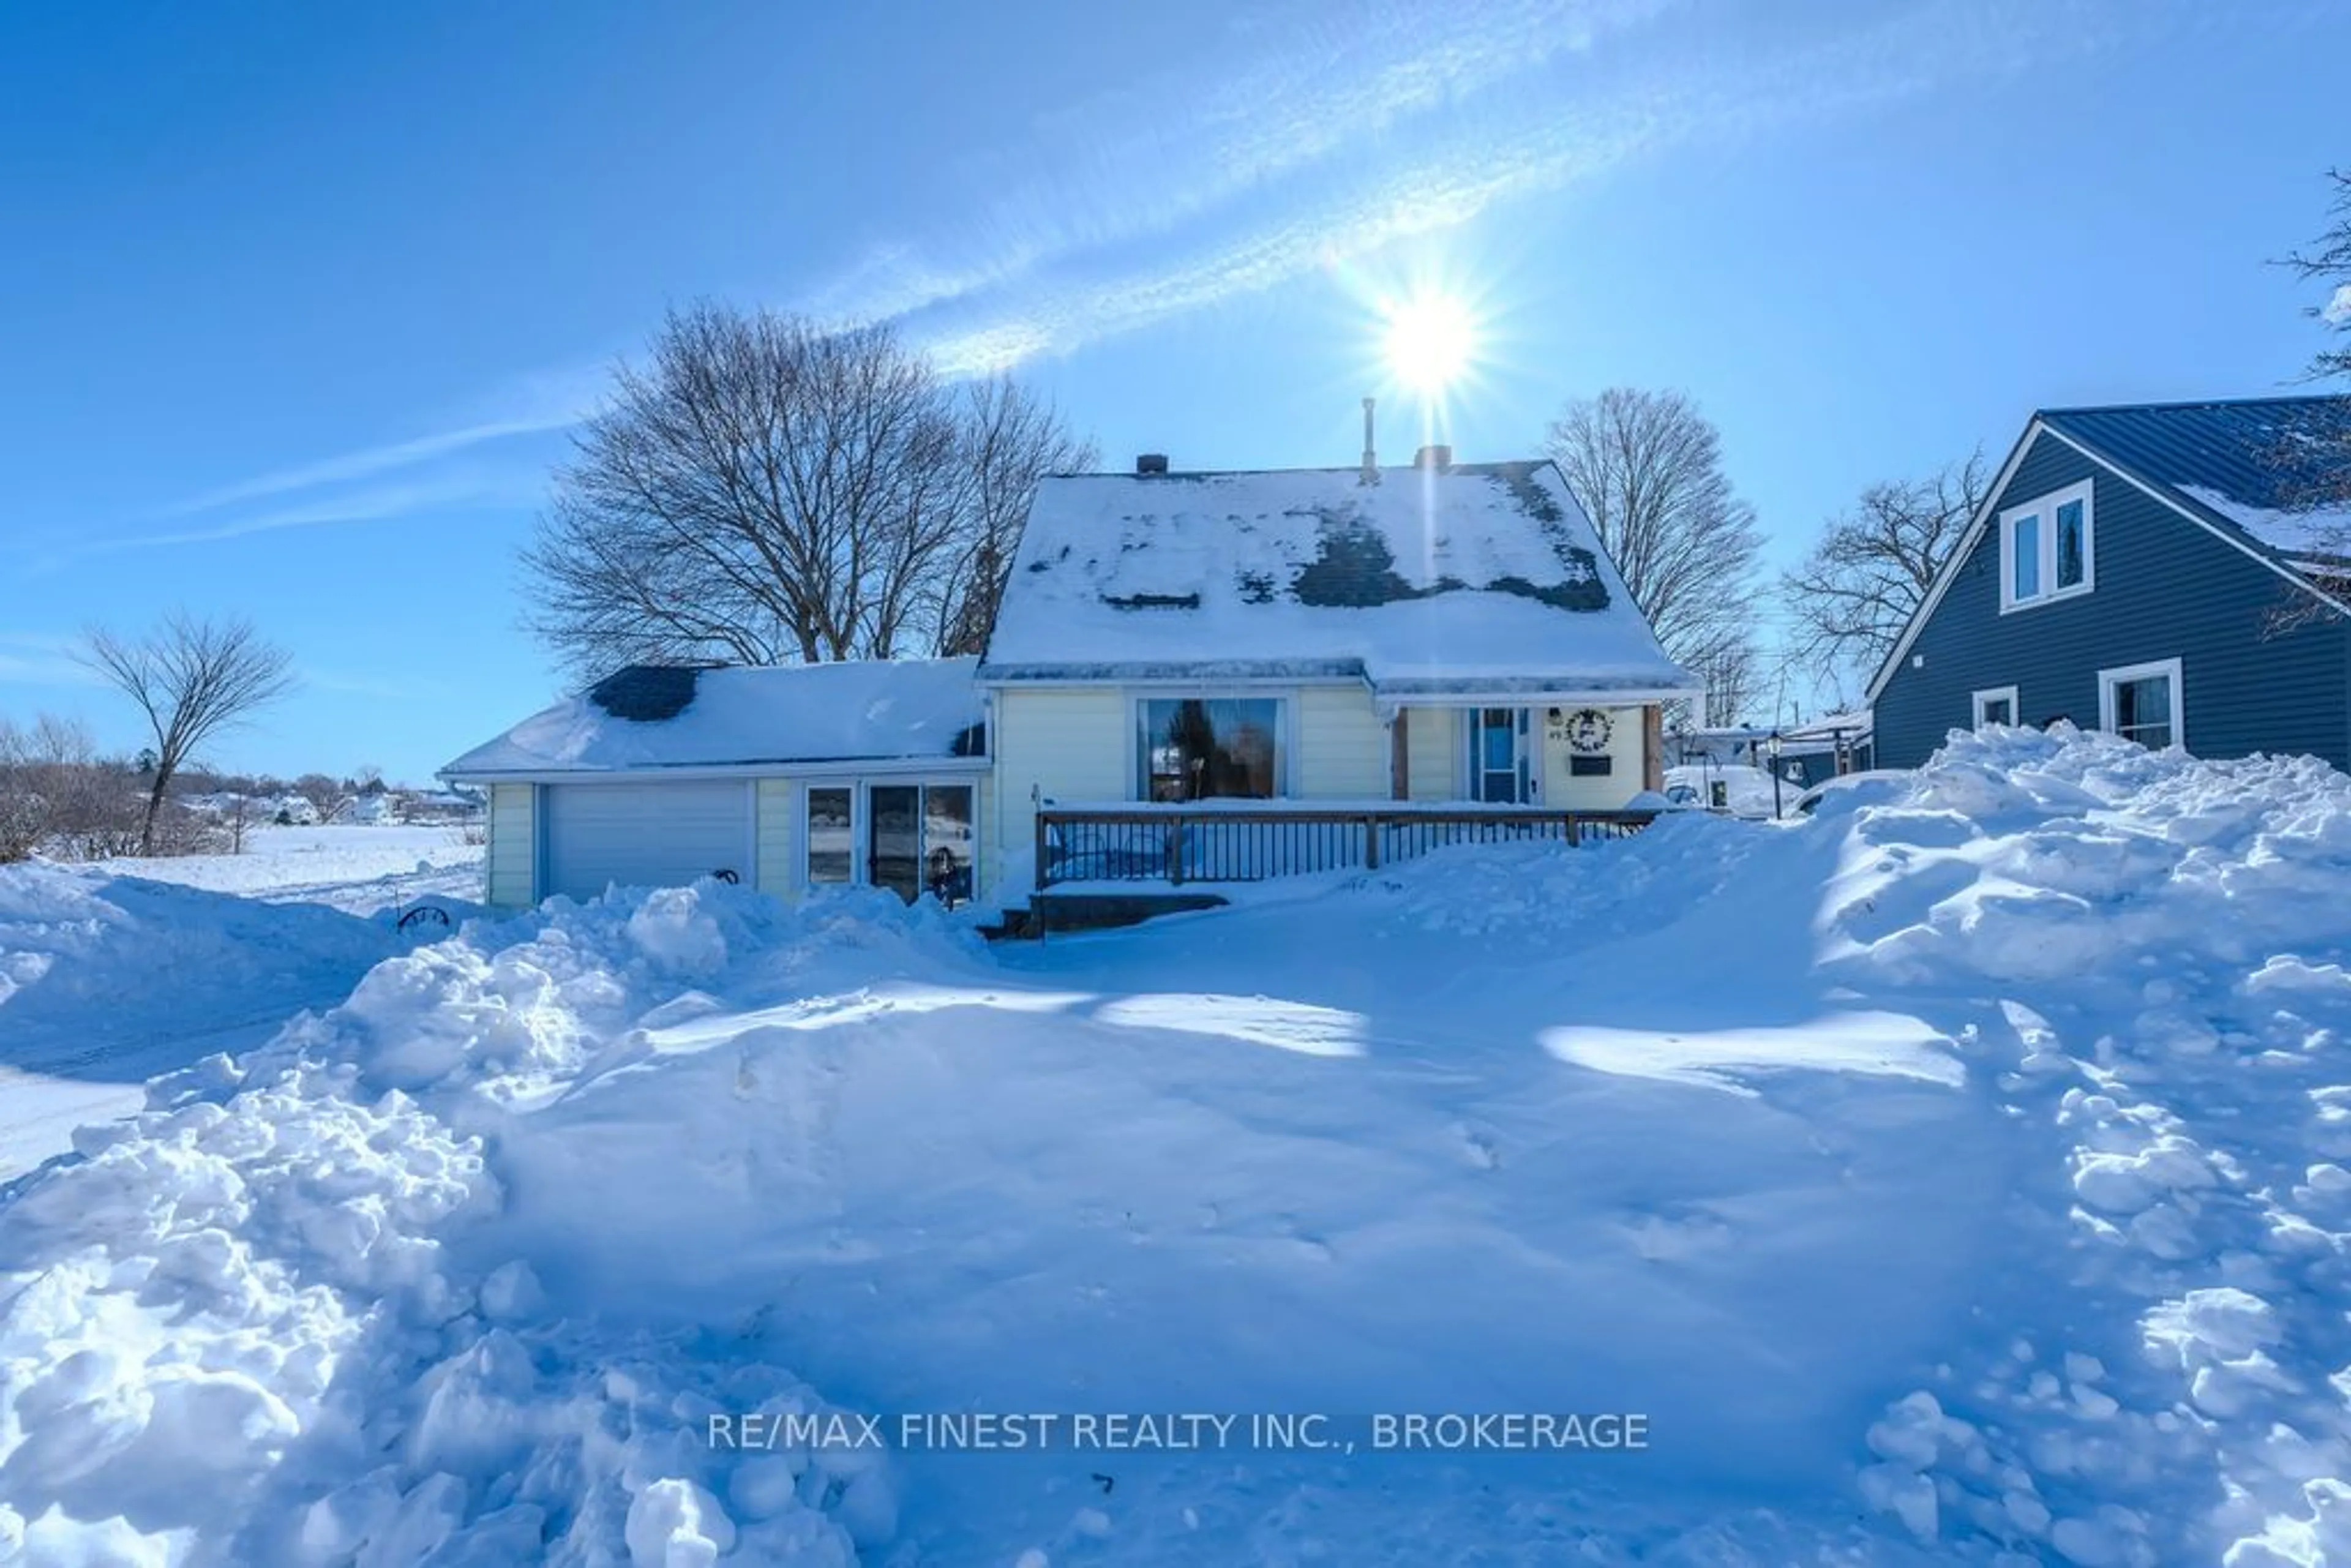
1044, 866
1371, 842
1175, 850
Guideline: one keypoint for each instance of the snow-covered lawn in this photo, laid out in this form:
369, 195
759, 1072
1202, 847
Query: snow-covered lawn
1954, 1178
355, 866
141, 976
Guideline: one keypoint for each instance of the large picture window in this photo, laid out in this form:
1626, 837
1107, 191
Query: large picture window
2045, 549
1196, 749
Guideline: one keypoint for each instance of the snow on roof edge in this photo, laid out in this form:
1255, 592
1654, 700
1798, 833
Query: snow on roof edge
739, 717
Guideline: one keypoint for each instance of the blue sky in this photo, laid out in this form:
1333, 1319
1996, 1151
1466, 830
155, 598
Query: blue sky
300, 301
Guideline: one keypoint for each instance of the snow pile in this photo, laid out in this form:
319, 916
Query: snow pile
2161, 944
275, 1318
106, 981
1549, 890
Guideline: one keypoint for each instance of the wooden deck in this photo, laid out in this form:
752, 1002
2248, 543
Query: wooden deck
1214, 841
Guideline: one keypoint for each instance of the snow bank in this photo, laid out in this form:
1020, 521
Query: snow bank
106, 981
266, 1320
2147, 951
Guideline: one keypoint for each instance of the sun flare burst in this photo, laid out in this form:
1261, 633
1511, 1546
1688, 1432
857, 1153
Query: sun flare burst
1431, 341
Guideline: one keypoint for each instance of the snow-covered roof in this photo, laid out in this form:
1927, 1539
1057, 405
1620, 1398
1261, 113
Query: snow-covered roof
1847, 725
1474, 578
2299, 532
651, 716
2273, 466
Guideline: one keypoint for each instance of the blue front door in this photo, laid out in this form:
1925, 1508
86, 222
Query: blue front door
1497, 756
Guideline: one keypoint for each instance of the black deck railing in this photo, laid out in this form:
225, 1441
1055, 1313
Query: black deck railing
1178, 844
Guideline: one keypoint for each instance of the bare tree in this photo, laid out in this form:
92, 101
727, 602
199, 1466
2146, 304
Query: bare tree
58, 797
192, 680
323, 793
1010, 439
30, 764
1732, 672
765, 490
1647, 469
1871, 568
2328, 262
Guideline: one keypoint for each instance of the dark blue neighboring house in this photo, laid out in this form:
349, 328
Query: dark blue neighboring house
2171, 572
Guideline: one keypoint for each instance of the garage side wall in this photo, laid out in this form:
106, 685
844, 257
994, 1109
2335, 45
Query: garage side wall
511, 861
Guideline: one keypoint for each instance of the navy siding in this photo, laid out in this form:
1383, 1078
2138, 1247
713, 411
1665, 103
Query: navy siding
2166, 587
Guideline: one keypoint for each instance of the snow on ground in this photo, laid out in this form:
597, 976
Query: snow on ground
1956, 1177
152, 970
353, 866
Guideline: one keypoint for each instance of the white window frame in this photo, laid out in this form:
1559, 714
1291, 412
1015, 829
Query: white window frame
805, 835
1287, 708
860, 825
2124, 673
2045, 508
1977, 701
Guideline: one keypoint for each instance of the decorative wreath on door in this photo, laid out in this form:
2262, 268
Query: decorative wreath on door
1588, 731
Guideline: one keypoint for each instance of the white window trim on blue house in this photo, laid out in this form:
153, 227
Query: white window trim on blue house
2042, 512
2108, 680
1978, 701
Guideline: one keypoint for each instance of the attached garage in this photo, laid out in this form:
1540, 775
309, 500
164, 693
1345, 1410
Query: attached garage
785, 779
646, 833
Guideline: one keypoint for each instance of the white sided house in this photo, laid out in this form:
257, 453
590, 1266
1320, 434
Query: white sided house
1193, 678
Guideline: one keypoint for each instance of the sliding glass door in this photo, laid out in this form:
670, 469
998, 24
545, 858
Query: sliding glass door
912, 839
893, 828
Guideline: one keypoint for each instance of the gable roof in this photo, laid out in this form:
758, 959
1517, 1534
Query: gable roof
2226, 465
651, 716
1475, 577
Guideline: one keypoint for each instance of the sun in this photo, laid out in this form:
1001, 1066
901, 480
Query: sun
1431, 340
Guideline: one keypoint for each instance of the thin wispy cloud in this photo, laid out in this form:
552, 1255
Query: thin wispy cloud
418, 472
1152, 158
41, 659
373, 504
1312, 140
1400, 158
367, 462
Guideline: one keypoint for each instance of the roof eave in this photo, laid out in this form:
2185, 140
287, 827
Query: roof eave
768, 768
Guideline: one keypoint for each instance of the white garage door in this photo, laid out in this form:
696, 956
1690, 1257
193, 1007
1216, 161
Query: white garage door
645, 835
